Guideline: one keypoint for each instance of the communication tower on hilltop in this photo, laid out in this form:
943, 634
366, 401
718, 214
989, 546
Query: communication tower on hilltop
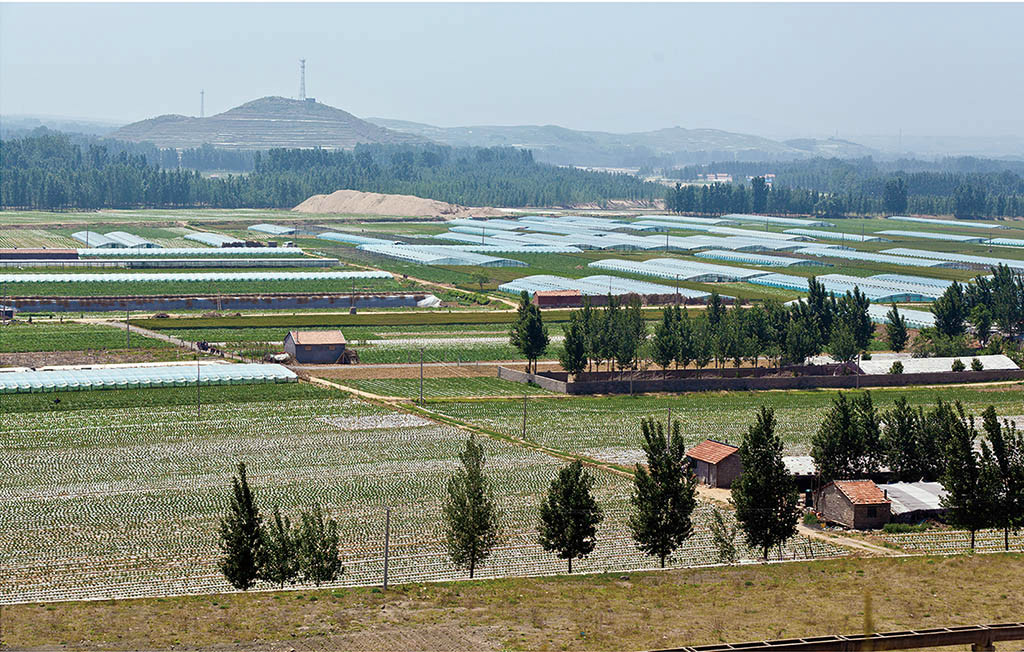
202, 104
302, 80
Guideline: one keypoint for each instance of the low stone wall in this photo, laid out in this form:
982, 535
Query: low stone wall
623, 385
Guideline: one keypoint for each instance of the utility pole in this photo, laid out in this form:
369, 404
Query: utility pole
128, 328
387, 543
421, 375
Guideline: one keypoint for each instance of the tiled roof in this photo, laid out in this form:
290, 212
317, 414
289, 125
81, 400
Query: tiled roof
317, 337
861, 492
711, 451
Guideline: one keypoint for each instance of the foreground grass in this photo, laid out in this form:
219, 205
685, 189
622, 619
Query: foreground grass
641, 610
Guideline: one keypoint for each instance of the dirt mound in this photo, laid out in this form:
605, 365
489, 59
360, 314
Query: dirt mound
355, 202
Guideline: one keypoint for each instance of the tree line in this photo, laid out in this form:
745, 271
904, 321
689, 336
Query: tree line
984, 477
617, 334
49, 171
963, 187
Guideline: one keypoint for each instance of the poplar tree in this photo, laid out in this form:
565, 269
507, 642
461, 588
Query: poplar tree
470, 511
969, 487
241, 536
318, 542
573, 355
896, 329
528, 333
765, 495
664, 493
569, 515
724, 537
280, 562
901, 442
665, 344
1007, 455
846, 445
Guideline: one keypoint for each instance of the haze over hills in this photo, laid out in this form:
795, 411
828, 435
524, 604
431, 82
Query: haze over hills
262, 124
672, 146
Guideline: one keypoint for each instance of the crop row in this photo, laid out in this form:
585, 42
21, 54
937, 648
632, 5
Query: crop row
125, 502
609, 427
149, 288
22, 336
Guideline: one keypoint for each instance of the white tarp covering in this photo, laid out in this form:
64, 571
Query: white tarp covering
17, 382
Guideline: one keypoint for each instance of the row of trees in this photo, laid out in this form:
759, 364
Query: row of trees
964, 187
275, 551
663, 499
617, 334
49, 171
985, 483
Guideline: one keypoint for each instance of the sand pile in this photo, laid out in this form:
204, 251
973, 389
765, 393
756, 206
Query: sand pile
354, 202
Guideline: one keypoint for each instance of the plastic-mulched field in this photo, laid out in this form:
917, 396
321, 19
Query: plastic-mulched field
947, 542
608, 428
21, 336
124, 503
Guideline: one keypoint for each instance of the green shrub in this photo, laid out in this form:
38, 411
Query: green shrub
976, 365
896, 368
958, 365
866, 356
903, 528
810, 518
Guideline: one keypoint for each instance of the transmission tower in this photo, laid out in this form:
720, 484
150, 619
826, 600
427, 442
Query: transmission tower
302, 80
202, 104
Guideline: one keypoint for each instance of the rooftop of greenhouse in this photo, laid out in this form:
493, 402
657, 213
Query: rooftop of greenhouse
792, 221
93, 239
841, 284
352, 238
212, 239
294, 252
439, 255
711, 221
930, 235
952, 223
980, 261
837, 235
124, 377
273, 229
879, 314
1006, 242
916, 280
674, 268
130, 240
760, 259
599, 285
885, 257
198, 277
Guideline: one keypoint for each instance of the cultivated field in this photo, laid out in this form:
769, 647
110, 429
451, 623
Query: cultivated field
123, 502
51, 335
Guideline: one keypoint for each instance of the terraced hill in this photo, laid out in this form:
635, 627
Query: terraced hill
262, 124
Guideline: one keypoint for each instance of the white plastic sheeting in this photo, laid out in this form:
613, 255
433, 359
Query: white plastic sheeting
953, 223
759, 259
837, 235
273, 229
188, 252
928, 235
674, 268
352, 238
212, 239
196, 277
791, 221
93, 239
879, 314
978, 261
130, 240
867, 256
64, 380
599, 285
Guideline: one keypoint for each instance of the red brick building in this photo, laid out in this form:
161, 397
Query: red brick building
856, 504
716, 464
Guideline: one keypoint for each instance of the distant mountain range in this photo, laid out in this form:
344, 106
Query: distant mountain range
262, 124
673, 146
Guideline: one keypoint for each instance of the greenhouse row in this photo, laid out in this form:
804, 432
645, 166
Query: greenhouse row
866, 256
952, 223
439, 255
595, 286
929, 235
16, 382
760, 259
841, 284
195, 277
351, 238
768, 219
674, 268
212, 239
879, 314
273, 229
1005, 242
836, 235
914, 280
187, 252
965, 259
709, 221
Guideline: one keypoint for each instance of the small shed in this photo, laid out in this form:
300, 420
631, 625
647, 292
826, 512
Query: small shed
913, 502
856, 504
715, 463
315, 347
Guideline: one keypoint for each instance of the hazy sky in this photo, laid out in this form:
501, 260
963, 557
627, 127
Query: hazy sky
774, 70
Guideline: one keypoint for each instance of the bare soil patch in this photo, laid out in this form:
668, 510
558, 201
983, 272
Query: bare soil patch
354, 202
93, 356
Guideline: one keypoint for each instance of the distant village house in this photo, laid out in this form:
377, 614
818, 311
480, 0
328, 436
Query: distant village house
315, 347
